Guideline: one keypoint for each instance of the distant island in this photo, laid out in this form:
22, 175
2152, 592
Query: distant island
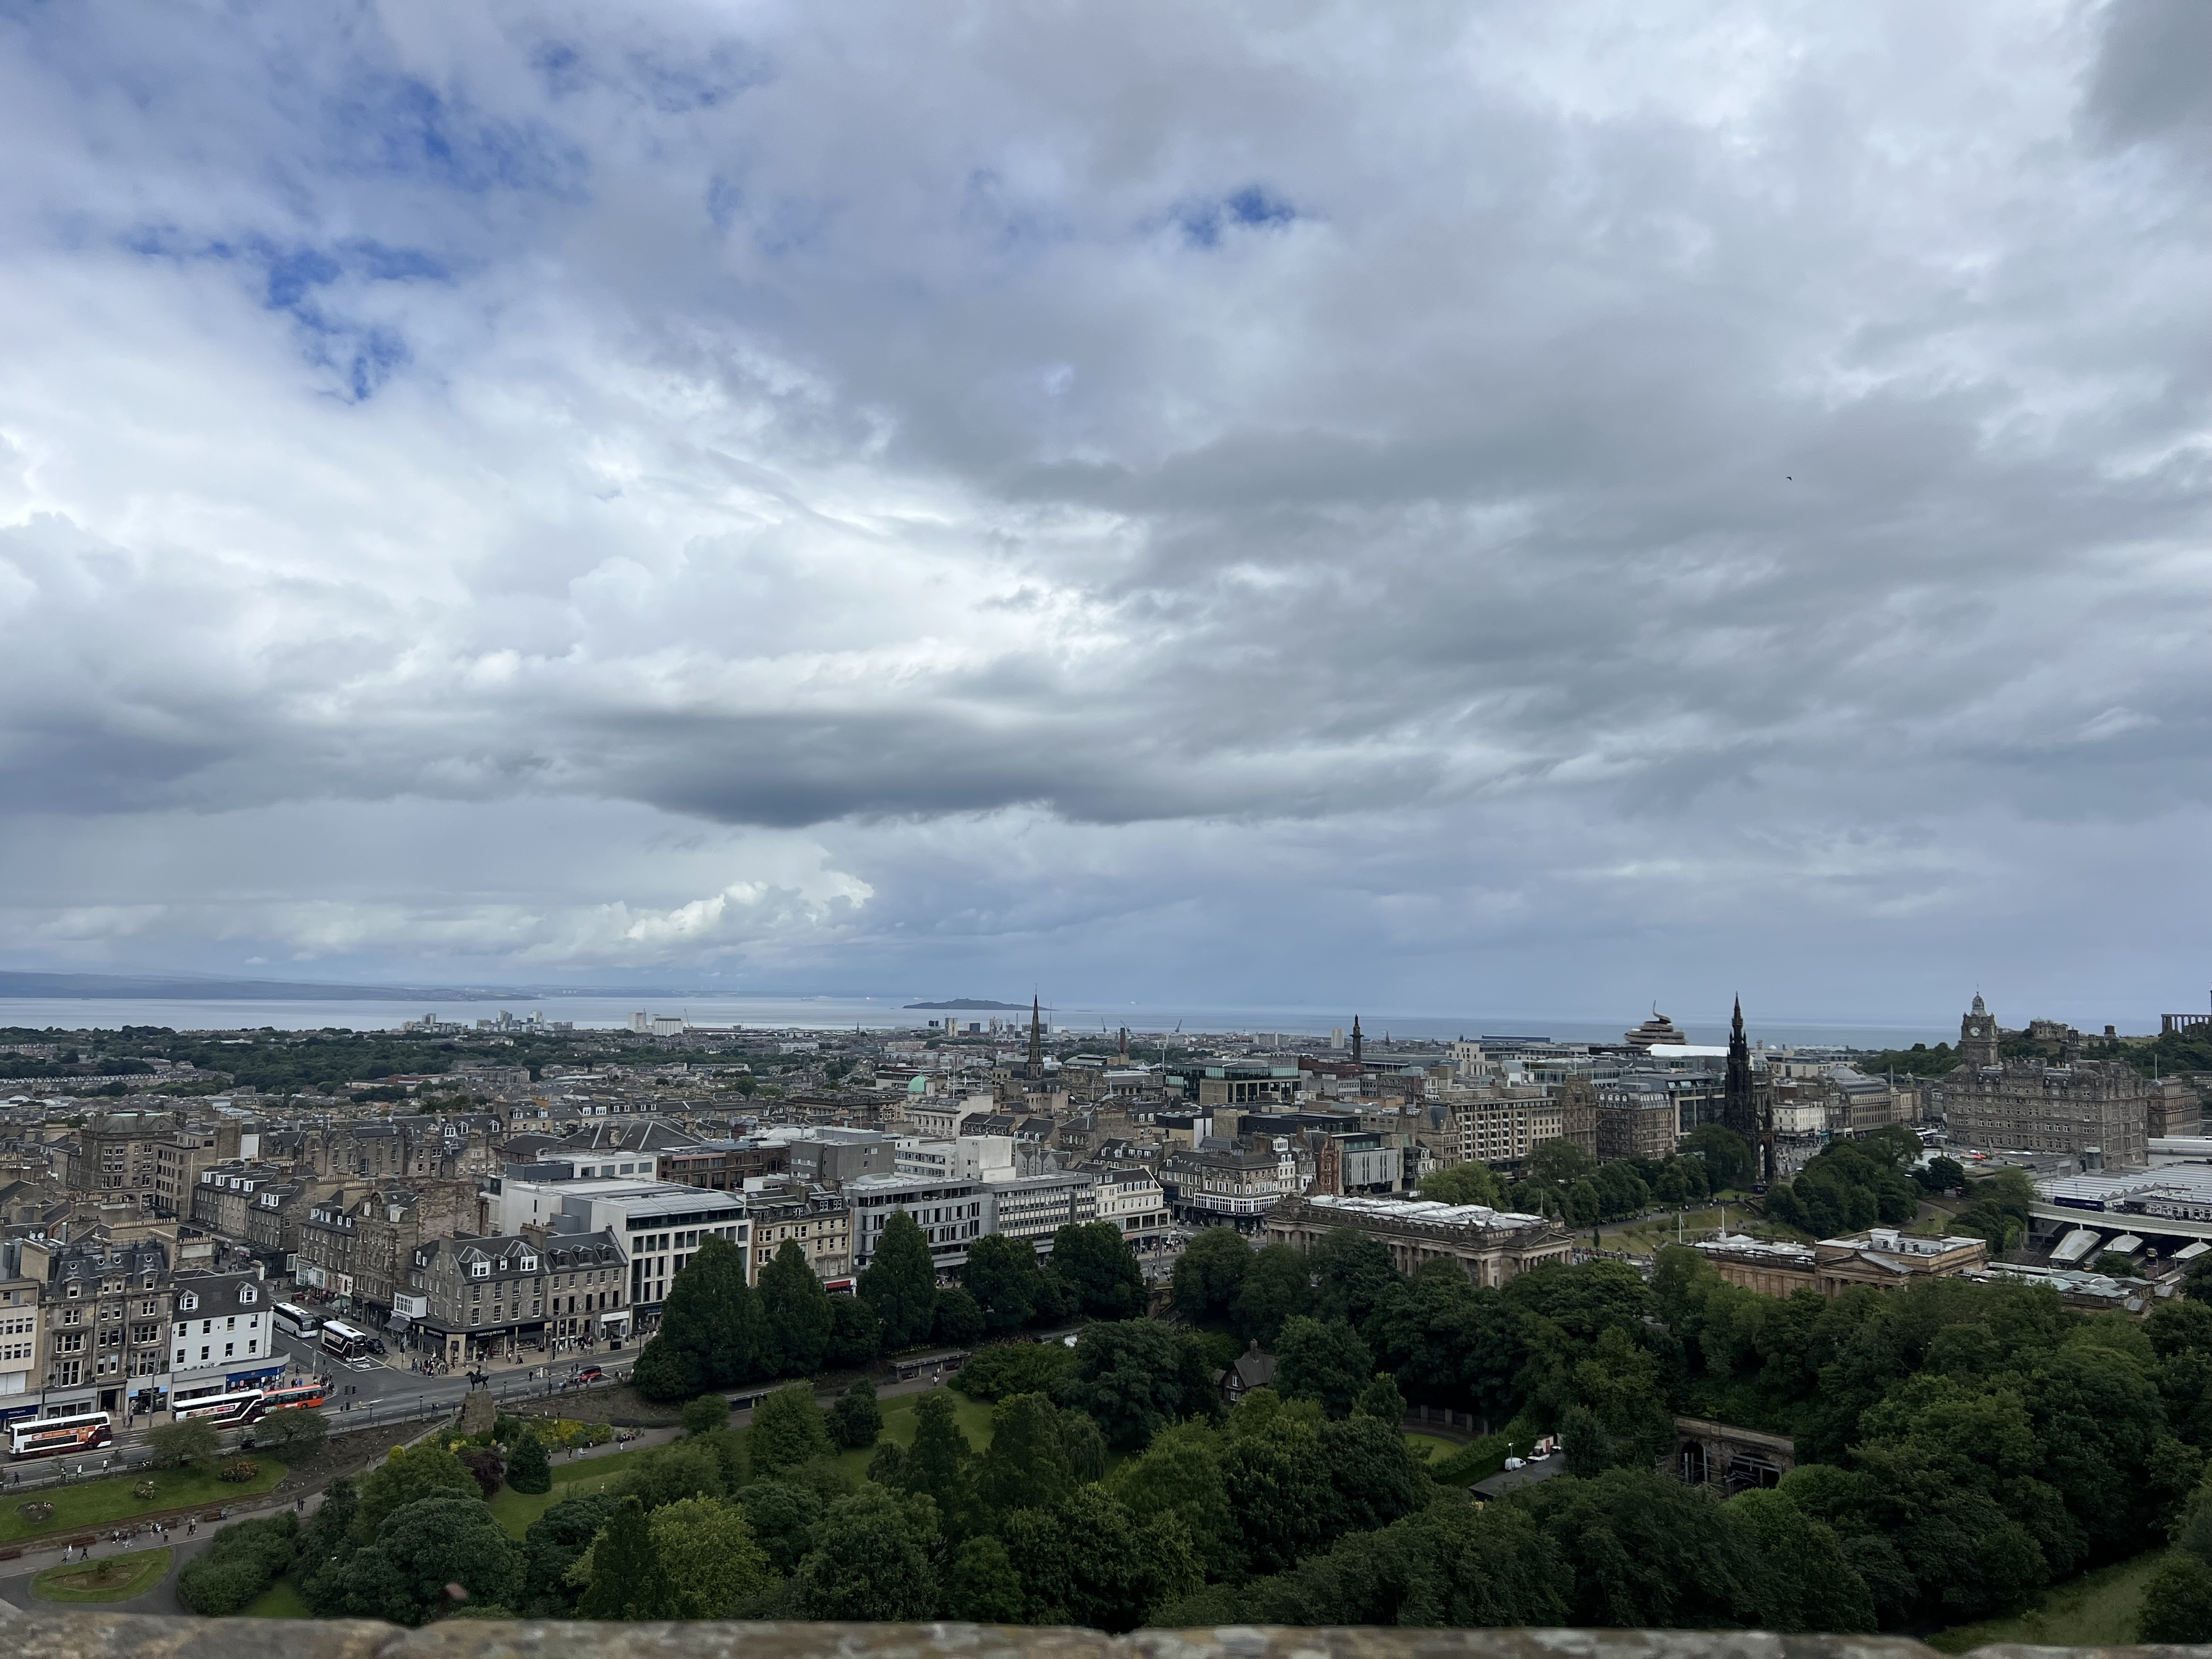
970, 1002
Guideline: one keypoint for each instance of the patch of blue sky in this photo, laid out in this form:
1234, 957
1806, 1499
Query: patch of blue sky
401, 126
363, 355
1253, 207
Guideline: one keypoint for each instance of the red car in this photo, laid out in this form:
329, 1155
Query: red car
590, 1374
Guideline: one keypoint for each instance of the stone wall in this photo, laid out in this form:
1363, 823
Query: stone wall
124, 1636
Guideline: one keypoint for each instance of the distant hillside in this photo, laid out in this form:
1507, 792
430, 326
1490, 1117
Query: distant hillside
973, 1003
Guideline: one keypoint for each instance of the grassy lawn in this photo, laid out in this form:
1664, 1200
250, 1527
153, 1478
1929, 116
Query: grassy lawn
1644, 1237
279, 1601
101, 1503
118, 1579
515, 1510
974, 1417
1431, 1448
2098, 1609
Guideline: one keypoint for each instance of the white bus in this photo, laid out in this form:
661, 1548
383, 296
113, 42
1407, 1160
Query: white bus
294, 1320
223, 1410
348, 1341
56, 1436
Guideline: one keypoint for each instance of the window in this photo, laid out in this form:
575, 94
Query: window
248, 1295
187, 1303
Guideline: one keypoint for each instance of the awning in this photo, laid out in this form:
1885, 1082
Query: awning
2075, 1245
2126, 1244
2191, 1252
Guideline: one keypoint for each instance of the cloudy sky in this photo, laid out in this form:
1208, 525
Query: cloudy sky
1513, 507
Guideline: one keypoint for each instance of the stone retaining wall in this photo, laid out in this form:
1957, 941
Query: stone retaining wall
124, 1636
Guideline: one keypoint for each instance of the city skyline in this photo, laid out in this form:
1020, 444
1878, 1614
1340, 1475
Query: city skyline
1536, 510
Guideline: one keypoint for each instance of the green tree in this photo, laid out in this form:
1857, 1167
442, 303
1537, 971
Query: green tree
1179, 1473
1809, 1582
529, 1470
713, 1333
959, 1322
296, 1431
983, 1586
708, 1414
1277, 1487
1087, 1561
1560, 1163
856, 1421
2113, 1265
797, 1308
1094, 1260
622, 1570
1008, 1368
1381, 1401
1026, 1466
402, 1574
938, 1465
788, 1429
1471, 1182
1326, 1363
1277, 1286
1001, 1273
707, 1550
554, 1543
1648, 1553
1127, 1375
685, 1469
1725, 1154
855, 1333
1210, 1272
408, 1476
1086, 1447
870, 1564
2177, 1602
900, 1285
782, 1516
192, 1443
1351, 1273
1373, 1473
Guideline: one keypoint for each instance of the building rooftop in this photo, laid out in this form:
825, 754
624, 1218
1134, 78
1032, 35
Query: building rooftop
1426, 1211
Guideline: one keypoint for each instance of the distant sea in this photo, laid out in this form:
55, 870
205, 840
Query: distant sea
891, 1014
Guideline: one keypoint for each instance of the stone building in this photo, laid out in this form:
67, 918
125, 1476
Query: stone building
2094, 1111
358, 1253
469, 1298
1505, 1126
105, 1311
1491, 1246
261, 1205
1219, 1180
22, 1364
119, 1152
1884, 1258
1638, 1117
818, 1218
724, 1166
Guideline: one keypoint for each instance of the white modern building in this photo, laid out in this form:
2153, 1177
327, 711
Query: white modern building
657, 1224
220, 1336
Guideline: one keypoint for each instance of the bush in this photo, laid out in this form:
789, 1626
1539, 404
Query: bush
142, 1491
288, 1429
242, 1561
239, 1470
39, 1512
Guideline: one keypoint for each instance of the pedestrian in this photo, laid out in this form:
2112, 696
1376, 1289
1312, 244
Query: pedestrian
192, 1528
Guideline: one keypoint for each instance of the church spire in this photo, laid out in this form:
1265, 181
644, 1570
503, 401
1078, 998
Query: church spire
1037, 1040
1355, 1040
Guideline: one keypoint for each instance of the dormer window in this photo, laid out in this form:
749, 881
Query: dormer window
246, 1293
188, 1302
529, 1264
479, 1270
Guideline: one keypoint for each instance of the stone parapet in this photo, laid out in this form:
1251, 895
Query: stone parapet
126, 1636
